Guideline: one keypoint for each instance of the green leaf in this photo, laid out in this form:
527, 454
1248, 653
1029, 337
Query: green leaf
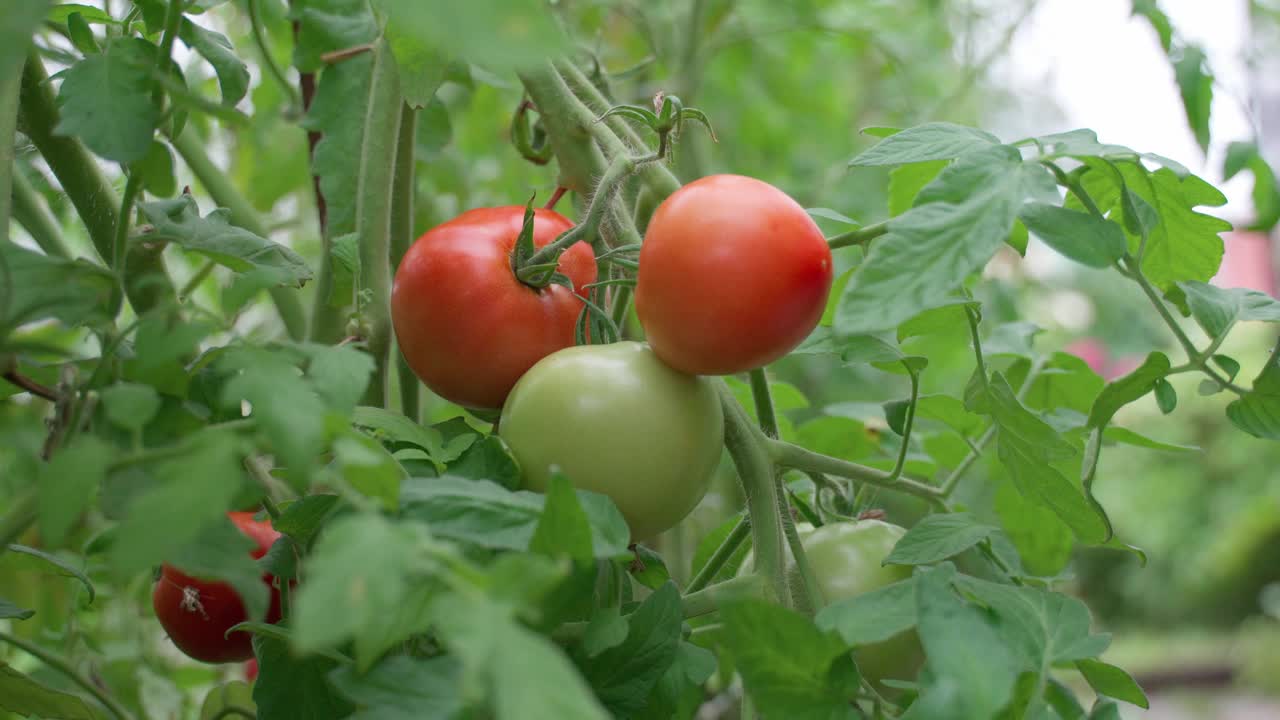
9, 611
932, 141
1195, 83
192, 492
1216, 309
233, 694
293, 687
156, 170
360, 576
82, 35
959, 221
564, 527
1109, 680
527, 34
1043, 628
906, 182
1115, 433
21, 695
178, 221
606, 629
1082, 237
105, 100
1081, 143
404, 688
1127, 389
130, 405
489, 458
649, 568
938, 537
329, 25
511, 666
1166, 396
68, 485
302, 518
1150, 9
712, 541
1043, 542
1012, 338
370, 469
335, 161
679, 692
422, 67
59, 13
286, 408
1258, 411
233, 75
63, 566
953, 633
34, 287
1028, 447
1266, 189
340, 374
624, 675
788, 665
491, 516
874, 616
949, 411
388, 426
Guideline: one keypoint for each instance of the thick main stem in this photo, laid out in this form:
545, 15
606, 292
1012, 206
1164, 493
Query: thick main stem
746, 445
225, 194
87, 188
402, 196
373, 213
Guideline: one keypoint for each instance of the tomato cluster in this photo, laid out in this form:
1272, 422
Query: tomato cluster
733, 274
197, 613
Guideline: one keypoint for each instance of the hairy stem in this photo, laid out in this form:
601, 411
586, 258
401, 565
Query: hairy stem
62, 666
402, 238
30, 212
793, 456
858, 236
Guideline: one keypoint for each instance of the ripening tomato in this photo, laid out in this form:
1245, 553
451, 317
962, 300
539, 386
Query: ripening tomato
465, 324
733, 275
846, 560
618, 421
197, 613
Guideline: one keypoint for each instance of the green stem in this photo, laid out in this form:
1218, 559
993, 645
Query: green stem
971, 315
764, 403
87, 188
191, 285
172, 21
717, 561
569, 128
269, 60
708, 600
31, 214
976, 448
804, 588
793, 456
621, 304
62, 666
373, 213
9, 87
132, 188
225, 194
747, 446
401, 238
858, 236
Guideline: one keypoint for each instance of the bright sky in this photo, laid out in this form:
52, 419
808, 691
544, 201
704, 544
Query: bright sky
1107, 71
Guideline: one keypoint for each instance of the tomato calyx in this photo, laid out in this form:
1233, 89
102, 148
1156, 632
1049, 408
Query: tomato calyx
525, 257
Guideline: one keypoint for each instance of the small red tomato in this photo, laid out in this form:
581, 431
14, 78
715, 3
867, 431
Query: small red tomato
251, 670
733, 275
466, 325
197, 613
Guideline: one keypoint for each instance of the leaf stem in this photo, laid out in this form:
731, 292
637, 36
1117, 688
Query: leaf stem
22, 512
62, 666
132, 187
268, 59
722, 555
31, 214
30, 385
764, 403
403, 188
708, 600
793, 456
858, 236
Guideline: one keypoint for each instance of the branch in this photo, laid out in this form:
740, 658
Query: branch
30, 212
30, 385
858, 236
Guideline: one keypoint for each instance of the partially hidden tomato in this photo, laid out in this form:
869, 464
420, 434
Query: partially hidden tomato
197, 613
466, 325
846, 560
733, 275
618, 421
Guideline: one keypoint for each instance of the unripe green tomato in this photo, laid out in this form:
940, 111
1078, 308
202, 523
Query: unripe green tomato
845, 558
617, 421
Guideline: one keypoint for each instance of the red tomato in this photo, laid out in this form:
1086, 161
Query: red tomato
733, 275
251, 670
197, 613
466, 325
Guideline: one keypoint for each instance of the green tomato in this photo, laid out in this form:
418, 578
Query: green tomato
617, 421
845, 559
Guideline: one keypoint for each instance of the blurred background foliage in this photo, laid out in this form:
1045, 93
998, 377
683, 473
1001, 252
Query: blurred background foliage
788, 87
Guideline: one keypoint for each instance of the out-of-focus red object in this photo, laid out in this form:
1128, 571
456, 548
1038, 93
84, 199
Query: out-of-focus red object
251, 670
1247, 262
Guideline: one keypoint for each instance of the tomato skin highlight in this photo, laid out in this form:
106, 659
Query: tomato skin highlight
618, 421
466, 325
734, 274
198, 630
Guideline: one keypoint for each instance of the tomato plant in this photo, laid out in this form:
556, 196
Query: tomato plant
733, 275
465, 324
196, 614
597, 413
258, 254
